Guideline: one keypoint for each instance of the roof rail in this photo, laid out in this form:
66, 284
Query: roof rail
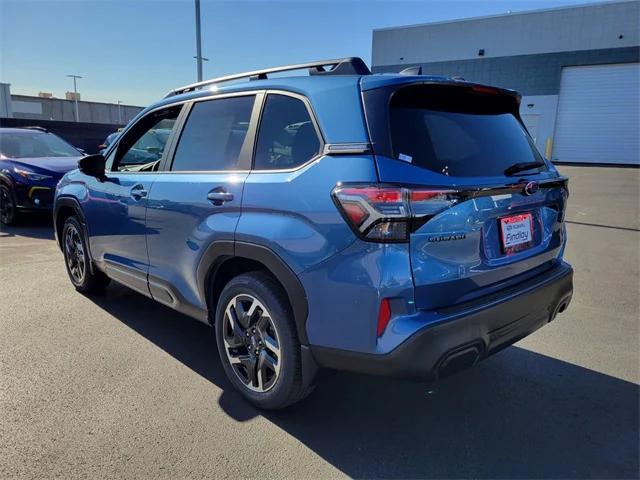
35, 127
341, 66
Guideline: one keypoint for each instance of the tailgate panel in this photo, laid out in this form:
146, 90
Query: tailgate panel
457, 255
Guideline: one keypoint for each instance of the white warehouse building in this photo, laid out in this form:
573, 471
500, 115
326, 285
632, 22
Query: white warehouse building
577, 68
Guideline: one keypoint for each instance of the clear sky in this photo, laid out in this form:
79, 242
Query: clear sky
136, 50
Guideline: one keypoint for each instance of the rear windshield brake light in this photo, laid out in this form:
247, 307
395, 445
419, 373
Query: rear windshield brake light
483, 89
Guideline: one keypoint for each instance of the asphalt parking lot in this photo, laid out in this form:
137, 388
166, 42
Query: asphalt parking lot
119, 386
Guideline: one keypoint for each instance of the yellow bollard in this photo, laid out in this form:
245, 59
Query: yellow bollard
547, 151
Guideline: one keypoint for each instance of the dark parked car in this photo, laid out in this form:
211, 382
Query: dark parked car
32, 161
148, 149
394, 224
108, 141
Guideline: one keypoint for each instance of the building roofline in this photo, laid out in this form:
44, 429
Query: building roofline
36, 97
506, 14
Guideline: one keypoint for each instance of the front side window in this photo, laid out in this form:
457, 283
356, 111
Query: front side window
35, 144
142, 147
214, 135
287, 136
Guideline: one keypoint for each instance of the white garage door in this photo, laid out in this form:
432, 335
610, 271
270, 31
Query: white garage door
598, 114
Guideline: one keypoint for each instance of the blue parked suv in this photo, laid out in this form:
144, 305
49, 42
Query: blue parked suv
32, 161
393, 224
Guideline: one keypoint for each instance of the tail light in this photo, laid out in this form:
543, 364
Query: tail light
384, 315
389, 213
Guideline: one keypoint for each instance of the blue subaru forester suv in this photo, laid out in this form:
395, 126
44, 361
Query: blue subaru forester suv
392, 224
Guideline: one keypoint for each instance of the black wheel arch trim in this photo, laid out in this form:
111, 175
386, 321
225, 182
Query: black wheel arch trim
222, 250
75, 205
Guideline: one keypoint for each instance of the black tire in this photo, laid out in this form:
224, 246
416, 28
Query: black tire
78, 261
8, 210
286, 387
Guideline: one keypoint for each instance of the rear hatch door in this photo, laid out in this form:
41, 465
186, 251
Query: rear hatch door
501, 220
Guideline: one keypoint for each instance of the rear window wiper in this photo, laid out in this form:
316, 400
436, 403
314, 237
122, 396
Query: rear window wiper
521, 167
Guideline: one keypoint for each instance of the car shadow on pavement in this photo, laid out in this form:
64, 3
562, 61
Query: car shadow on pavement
32, 226
518, 414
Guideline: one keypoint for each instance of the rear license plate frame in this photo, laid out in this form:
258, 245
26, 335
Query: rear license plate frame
503, 222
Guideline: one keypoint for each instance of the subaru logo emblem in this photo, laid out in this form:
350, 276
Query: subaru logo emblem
530, 188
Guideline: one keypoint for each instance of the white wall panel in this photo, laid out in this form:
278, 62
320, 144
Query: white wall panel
598, 114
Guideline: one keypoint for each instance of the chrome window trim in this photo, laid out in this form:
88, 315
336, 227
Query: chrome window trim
347, 148
342, 148
213, 96
186, 172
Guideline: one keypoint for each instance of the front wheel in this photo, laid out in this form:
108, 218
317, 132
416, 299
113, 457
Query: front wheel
78, 261
257, 341
8, 212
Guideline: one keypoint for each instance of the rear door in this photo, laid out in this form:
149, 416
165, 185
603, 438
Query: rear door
197, 196
496, 217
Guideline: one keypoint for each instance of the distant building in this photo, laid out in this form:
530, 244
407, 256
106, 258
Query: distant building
46, 107
578, 69
5, 101
72, 96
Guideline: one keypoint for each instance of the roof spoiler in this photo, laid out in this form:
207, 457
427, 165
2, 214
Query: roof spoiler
341, 66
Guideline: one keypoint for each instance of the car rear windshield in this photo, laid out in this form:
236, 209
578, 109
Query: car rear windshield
458, 132
35, 144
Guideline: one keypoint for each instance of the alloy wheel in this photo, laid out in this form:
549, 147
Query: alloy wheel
74, 253
251, 343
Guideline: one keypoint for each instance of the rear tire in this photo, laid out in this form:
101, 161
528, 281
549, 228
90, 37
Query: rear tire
8, 211
78, 261
257, 341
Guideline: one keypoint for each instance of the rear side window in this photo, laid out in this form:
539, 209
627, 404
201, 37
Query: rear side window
287, 136
458, 134
213, 135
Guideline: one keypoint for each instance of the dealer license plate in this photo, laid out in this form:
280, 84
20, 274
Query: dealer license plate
517, 232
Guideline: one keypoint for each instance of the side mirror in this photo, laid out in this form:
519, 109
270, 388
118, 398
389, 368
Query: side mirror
93, 165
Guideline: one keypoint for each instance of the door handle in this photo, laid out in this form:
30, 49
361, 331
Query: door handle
218, 196
138, 192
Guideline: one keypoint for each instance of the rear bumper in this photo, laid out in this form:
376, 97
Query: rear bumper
473, 332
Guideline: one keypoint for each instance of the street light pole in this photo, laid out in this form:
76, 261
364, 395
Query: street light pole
198, 41
75, 94
120, 112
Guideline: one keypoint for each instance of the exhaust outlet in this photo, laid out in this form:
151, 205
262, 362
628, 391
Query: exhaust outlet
459, 360
560, 307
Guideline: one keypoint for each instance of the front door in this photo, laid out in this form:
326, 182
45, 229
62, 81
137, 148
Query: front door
117, 207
